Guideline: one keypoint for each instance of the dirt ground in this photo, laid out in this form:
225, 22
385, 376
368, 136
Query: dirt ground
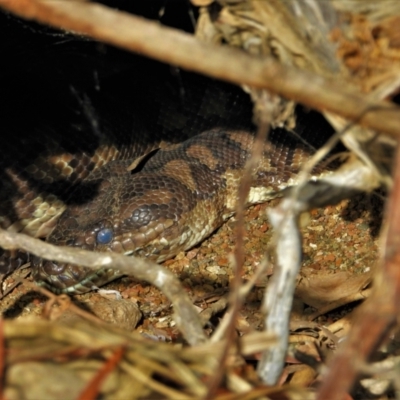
340, 251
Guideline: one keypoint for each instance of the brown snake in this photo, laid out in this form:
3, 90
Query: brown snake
179, 197
196, 143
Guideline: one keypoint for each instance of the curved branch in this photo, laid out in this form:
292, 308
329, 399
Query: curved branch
186, 316
184, 50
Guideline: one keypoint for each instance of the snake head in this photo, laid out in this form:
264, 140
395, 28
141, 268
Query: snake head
177, 198
141, 221
71, 278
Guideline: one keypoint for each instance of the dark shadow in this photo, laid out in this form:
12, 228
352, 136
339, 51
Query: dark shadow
369, 207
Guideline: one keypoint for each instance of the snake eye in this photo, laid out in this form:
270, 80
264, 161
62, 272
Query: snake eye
104, 236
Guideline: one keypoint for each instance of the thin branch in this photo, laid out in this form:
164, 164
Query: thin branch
236, 299
184, 50
362, 295
186, 316
213, 309
374, 319
352, 176
278, 297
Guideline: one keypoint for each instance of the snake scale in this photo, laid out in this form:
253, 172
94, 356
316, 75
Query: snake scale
76, 122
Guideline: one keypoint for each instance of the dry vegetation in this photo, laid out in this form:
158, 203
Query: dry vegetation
341, 58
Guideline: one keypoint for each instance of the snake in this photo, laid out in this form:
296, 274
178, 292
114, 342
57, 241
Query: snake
143, 167
177, 199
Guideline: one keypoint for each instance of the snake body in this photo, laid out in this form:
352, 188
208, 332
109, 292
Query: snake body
178, 198
66, 167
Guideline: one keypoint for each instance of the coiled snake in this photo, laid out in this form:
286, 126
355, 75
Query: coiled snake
69, 144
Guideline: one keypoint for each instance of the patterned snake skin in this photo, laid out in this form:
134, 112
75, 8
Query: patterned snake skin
72, 137
178, 198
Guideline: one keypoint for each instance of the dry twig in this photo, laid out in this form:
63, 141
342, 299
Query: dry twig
173, 46
185, 314
96, 348
377, 316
